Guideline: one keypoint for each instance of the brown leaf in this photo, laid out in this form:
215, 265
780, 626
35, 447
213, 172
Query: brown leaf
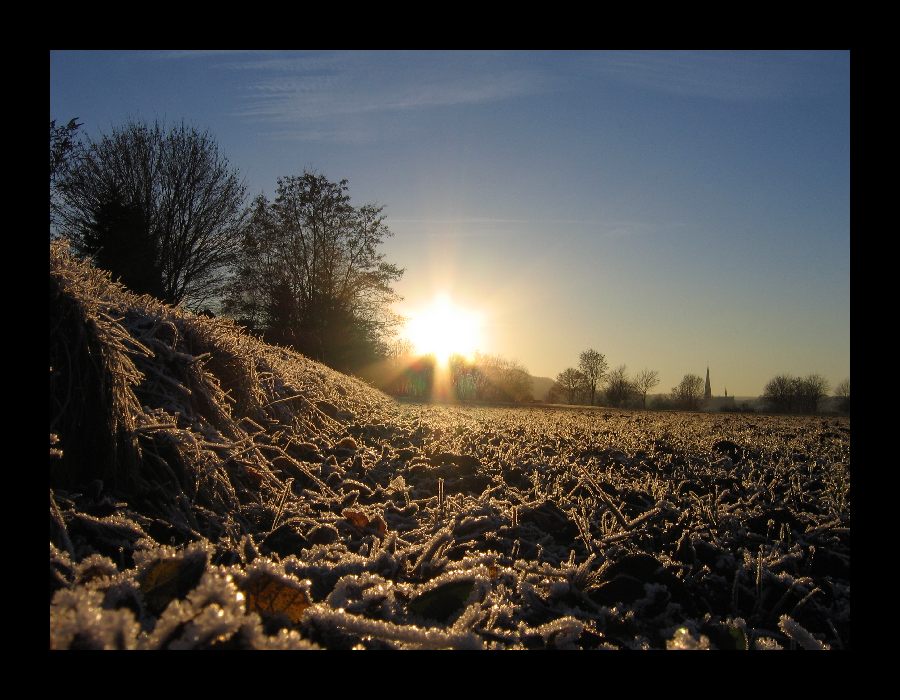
169, 578
254, 475
361, 521
269, 595
356, 517
380, 526
442, 602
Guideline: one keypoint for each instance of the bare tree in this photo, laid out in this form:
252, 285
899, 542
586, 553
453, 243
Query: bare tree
780, 393
618, 387
788, 394
64, 148
842, 392
572, 382
496, 378
810, 391
162, 201
62, 143
689, 393
593, 366
644, 382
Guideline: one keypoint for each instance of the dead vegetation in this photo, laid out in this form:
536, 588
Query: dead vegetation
211, 491
181, 413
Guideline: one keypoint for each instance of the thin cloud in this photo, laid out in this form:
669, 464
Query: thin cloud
203, 53
300, 62
324, 96
316, 96
720, 75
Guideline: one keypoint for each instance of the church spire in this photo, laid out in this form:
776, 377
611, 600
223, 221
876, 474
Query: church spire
707, 392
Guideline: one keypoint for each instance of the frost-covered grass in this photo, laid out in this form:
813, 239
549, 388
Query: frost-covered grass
209, 491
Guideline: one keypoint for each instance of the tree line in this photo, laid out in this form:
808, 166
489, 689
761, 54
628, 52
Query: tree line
786, 393
483, 377
782, 394
579, 385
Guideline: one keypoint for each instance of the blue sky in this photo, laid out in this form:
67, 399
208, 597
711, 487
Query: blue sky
670, 209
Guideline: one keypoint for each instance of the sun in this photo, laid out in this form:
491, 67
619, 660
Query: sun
444, 329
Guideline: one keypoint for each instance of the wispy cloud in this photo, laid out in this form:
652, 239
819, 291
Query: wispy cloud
363, 96
741, 76
202, 53
323, 96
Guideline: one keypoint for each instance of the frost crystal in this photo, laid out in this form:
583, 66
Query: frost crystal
684, 640
800, 635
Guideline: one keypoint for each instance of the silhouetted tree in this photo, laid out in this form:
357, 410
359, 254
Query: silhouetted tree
122, 243
842, 392
63, 143
618, 387
64, 147
592, 365
572, 382
182, 202
780, 393
644, 382
811, 389
499, 379
788, 394
489, 378
555, 393
314, 254
689, 393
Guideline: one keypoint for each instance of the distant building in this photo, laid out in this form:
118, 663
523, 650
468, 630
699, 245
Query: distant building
715, 403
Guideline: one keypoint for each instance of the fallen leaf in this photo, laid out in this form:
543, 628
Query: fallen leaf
269, 595
378, 524
170, 578
440, 603
356, 517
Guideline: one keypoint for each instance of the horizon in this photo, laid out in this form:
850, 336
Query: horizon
672, 210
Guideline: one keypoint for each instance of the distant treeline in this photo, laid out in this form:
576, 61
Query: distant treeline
591, 383
788, 394
488, 378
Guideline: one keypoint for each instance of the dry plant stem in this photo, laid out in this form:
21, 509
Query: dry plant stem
604, 497
61, 524
805, 600
286, 398
299, 465
644, 517
280, 509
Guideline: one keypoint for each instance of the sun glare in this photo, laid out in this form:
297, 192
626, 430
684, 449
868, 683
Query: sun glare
444, 329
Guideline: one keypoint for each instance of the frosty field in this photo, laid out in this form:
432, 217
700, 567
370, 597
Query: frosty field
209, 491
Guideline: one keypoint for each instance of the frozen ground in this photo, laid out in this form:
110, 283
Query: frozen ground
455, 527
208, 491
